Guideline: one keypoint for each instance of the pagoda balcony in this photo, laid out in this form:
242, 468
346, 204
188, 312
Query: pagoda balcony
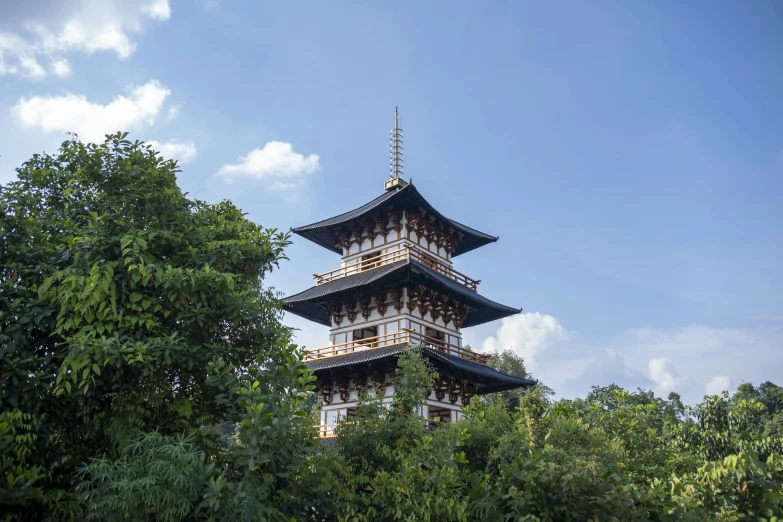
326, 430
403, 253
405, 336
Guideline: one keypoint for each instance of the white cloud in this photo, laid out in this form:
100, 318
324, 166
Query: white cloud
663, 374
718, 384
182, 152
528, 334
173, 111
46, 30
91, 121
276, 162
158, 10
60, 67
685, 359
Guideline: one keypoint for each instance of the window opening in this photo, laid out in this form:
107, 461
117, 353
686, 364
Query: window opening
437, 416
430, 261
436, 338
371, 260
365, 333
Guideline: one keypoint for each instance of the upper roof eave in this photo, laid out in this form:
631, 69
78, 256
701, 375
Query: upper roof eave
321, 234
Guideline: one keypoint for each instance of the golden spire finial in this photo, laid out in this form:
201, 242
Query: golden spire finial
395, 154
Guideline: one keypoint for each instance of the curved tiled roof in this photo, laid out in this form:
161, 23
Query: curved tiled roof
322, 234
311, 304
489, 379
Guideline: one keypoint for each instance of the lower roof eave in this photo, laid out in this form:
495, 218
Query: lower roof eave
489, 379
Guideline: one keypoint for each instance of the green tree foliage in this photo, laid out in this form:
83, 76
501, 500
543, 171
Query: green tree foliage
385, 466
130, 313
510, 363
771, 395
616, 455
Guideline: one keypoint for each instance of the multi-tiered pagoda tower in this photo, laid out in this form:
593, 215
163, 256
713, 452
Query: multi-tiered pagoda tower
396, 288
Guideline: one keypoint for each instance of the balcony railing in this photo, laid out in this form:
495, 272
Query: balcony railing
328, 429
404, 336
402, 253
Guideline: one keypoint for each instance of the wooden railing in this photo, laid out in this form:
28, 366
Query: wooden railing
328, 429
402, 253
404, 336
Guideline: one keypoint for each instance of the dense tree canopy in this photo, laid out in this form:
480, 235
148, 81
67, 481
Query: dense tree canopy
616, 455
145, 374
129, 312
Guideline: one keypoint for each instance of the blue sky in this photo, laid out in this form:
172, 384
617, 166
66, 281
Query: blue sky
628, 154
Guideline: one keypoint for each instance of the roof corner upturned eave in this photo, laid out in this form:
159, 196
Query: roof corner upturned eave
319, 232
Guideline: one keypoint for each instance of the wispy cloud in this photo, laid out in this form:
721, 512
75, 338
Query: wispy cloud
35, 38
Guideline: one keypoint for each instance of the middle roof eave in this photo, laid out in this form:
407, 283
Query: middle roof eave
310, 303
322, 234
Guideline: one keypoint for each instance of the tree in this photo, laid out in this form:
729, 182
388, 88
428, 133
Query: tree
508, 362
126, 309
145, 375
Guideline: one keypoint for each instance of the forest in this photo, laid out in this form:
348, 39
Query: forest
146, 374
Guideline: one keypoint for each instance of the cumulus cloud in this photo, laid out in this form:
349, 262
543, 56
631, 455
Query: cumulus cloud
663, 374
38, 32
276, 162
687, 359
528, 334
718, 384
90, 120
182, 152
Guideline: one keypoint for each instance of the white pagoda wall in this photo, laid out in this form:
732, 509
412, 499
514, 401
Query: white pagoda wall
337, 410
394, 321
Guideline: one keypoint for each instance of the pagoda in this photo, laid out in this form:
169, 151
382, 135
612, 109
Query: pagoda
396, 288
